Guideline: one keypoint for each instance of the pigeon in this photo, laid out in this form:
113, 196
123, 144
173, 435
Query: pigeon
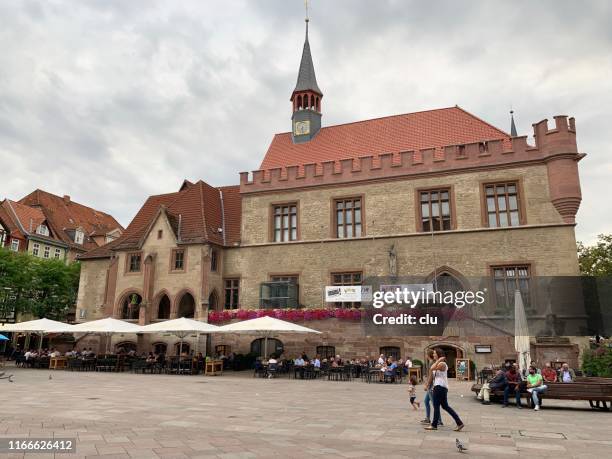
50, 377
460, 446
9, 377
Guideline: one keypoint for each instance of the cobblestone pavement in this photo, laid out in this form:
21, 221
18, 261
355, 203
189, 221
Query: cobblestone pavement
236, 416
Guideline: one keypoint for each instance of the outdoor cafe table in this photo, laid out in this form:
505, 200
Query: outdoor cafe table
58, 363
213, 367
416, 371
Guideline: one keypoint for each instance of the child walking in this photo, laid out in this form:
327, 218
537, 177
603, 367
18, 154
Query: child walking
412, 393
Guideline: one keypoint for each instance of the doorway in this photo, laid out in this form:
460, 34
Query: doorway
452, 352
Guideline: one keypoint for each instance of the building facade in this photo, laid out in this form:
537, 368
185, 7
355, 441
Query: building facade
426, 194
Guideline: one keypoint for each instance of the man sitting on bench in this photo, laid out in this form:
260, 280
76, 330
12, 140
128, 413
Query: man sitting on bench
514, 381
566, 375
498, 382
535, 386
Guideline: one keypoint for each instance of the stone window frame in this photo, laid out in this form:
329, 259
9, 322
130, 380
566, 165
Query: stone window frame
128, 262
214, 260
529, 264
452, 207
297, 275
173, 268
272, 228
345, 272
330, 351
520, 196
334, 215
58, 253
36, 249
47, 252
232, 287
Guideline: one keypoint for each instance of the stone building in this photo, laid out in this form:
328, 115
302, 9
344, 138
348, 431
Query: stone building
446, 192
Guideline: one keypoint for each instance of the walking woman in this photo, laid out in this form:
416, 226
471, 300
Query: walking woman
440, 391
428, 396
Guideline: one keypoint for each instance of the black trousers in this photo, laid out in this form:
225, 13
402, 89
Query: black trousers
440, 399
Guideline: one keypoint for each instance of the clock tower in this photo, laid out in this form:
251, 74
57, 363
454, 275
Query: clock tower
306, 99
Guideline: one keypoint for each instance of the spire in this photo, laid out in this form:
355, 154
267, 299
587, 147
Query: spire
307, 81
512, 125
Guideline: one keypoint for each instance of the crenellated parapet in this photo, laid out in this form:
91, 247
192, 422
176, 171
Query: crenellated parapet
554, 146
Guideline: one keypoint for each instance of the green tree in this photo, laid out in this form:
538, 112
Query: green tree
596, 260
43, 288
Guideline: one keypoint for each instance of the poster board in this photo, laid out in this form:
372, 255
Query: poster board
462, 369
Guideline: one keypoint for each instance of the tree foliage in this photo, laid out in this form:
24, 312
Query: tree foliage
596, 260
598, 362
43, 288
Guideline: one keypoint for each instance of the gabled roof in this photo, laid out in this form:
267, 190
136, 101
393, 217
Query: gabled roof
391, 134
197, 213
64, 216
27, 218
8, 220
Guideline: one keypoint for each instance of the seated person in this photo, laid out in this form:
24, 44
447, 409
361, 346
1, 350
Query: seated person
535, 386
549, 374
497, 382
316, 362
514, 380
566, 375
381, 360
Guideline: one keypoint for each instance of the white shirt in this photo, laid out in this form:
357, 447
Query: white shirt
381, 361
440, 377
317, 363
409, 363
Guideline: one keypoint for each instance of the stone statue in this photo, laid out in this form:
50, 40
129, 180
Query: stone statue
392, 261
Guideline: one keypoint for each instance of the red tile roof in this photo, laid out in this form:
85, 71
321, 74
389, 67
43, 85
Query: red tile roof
28, 218
8, 220
64, 216
195, 215
391, 134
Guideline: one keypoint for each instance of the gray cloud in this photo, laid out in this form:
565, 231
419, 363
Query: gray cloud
111, 101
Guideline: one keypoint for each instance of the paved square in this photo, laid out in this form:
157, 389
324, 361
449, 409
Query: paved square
236, 416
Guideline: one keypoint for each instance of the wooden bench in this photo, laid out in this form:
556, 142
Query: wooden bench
598, 394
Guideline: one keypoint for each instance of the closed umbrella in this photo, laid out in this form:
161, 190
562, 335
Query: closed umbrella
108, 326
39, 326
521, 332
266, 327
181, 328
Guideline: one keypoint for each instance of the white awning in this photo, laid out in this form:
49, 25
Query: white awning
108, 325
265, 325
38, 326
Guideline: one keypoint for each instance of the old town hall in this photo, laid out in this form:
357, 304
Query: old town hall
326, 207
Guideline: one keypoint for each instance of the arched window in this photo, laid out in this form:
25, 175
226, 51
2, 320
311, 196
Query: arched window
213, 301
160, 348
391, 351
186, 306
130, 308
318, 104
163, 309
299, 102
185, 348
275, 346
125, 347
326, 352
312, 102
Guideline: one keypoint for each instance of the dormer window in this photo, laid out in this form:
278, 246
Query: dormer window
42, 229
79, 237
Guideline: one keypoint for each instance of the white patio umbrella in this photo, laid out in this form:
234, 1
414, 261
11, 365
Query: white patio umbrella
40, 326
181, 328
521, 332
106, 327
266, 326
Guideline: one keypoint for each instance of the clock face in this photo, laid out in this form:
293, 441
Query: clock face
301, 127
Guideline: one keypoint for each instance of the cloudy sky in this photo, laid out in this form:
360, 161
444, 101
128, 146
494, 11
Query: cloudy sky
111, 101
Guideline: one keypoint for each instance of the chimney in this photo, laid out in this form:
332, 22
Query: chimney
66, 199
